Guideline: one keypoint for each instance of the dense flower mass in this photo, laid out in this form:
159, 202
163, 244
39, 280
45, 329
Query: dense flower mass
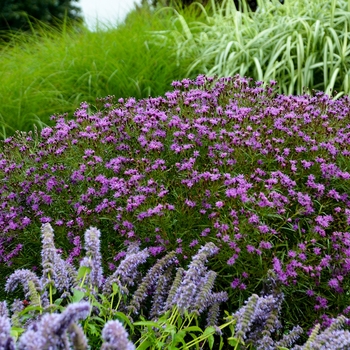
263, 176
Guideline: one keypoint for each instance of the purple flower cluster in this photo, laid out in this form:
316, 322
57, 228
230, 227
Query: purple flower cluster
263, 175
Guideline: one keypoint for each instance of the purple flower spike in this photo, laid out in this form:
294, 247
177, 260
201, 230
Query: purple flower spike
6, 341
22, 276
51, 331
4, 312
115, 337
92, 247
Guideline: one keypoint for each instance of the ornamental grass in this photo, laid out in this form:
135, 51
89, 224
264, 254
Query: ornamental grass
302, 44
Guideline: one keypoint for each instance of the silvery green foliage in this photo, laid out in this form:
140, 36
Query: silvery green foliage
115, 337
93, 257
53, 331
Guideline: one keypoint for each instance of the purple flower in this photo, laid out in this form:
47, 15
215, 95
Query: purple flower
115, 337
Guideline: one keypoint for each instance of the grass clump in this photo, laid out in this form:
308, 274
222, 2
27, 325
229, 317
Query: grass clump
53, 70
301, 44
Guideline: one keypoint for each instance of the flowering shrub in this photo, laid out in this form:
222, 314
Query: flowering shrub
261, 175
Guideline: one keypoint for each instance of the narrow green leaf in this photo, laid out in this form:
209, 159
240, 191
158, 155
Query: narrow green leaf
147, 323
211, 341
144, 345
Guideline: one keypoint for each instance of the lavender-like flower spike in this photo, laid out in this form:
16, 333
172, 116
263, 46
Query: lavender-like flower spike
48, 254
245, 317
73, 313
6, 341
34, 295
31, 340
160, 293
336, 339
201, 301
115, 337
16, 307
78, 337
213, 315
126, 271
193, 280
174, 287
151, 280
22, 276
92, 247
51, 331
289, 339
65, 276
4, 312
331, 338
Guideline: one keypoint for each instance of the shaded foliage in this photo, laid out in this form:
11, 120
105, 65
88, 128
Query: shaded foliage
18, 14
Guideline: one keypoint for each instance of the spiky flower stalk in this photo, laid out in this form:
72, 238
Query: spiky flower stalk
126, 272
23, 276
6, 341
201, 300
289, 339
16, 307
192, 282
48, 254
160, 293
213, 314
50, 332
64, 276
150, 280
34, 295
78, 337
312, 337
115, 337
169, 303
332, 337
245, 317
4, 311
92, 247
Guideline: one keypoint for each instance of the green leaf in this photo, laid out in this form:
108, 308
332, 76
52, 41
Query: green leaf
58, 301
77, 296
83, 270
221, 343
211, 341
193, 329
124, 318
115, 288
30, 308
144, 345
16, 332
93, 329
147, 323
208, 331
233, 341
